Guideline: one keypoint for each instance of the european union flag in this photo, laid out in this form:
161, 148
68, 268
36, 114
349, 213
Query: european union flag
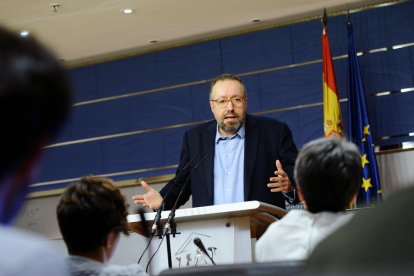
359, 129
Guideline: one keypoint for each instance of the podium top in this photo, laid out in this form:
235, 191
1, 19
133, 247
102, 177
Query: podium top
261, 214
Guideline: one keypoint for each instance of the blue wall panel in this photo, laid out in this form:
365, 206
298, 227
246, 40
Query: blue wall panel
71, 161
129, 114
200, 102
168, 112
393, 114
291, 87
385, 71
126, 75
187, 64
84, 83
384, 27
132, 152
252, 84
306, 41
255, 51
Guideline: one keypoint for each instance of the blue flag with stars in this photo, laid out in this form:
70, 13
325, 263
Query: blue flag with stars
359, 129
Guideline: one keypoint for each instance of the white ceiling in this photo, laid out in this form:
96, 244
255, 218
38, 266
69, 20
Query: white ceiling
89, 30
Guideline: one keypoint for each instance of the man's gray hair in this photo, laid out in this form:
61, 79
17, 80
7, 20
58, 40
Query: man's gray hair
328, 172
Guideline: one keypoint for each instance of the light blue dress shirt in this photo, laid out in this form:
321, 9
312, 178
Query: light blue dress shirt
229, 168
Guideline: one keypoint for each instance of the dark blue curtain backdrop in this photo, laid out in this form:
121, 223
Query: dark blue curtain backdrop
145, 103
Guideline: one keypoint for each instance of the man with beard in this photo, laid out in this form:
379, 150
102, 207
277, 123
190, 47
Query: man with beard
232, 159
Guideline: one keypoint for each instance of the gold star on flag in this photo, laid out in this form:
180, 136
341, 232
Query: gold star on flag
364, 160
366, 130
366, 184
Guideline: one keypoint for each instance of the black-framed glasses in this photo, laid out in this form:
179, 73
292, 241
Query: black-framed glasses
236, 101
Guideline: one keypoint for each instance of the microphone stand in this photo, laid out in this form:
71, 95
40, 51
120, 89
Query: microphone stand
170, 220
170, 226
169, 251
156, 229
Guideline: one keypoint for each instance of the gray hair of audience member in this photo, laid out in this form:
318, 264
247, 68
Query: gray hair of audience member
328, 173
227, 77
35, 99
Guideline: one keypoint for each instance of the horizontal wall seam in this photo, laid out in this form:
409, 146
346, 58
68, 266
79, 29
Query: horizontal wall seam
54, 182
136, 132
104, 137
120, 184
261, 71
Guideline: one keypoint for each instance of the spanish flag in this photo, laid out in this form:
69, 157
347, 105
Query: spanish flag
332, 119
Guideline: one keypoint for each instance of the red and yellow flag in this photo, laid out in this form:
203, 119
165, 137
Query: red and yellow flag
332, 119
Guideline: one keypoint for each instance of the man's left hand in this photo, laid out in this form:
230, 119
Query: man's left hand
280, 182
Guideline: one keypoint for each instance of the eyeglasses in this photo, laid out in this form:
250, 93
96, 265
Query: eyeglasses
236, 101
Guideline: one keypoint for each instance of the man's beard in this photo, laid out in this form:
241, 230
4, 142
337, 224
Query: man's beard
232, 128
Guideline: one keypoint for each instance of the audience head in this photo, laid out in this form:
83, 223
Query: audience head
228, 102
91, 214
328, 174
34, 102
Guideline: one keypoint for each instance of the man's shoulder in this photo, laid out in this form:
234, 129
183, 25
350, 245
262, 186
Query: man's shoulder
200, 128
264, 121
79, 265
293, 218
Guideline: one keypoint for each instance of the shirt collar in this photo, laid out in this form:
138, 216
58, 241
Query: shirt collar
239, 134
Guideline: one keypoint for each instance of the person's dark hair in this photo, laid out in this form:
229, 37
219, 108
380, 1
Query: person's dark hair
328, 172
88, 211
227, 77
35, 98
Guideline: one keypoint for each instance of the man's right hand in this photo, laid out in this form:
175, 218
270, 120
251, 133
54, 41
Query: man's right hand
151, 199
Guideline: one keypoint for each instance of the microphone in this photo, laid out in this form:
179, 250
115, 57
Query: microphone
157, 224
167, 226
200, 245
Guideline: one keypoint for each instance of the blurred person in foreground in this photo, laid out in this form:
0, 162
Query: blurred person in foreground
92, 213
377, 241
328, 176
35, 100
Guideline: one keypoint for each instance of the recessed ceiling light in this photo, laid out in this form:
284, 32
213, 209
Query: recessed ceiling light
24, 33
127, 11
55, 7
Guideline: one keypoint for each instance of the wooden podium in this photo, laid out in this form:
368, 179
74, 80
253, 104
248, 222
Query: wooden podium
226, 231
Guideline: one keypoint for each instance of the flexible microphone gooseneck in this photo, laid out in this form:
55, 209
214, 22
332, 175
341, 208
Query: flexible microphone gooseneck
157, 224
200, 245
167, 226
